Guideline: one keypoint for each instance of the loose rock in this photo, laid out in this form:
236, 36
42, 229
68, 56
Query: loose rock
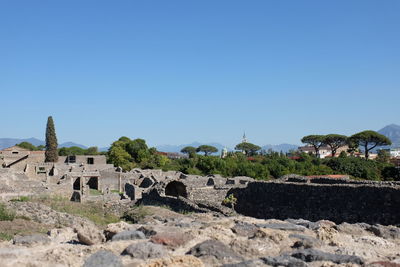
103, 258
310, 255
215, 251
89, 234
128, 235
145, 250
29, 240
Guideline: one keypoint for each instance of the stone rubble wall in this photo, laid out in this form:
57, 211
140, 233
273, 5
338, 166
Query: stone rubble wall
369, 202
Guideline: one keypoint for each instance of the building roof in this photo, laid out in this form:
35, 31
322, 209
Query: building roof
11, 148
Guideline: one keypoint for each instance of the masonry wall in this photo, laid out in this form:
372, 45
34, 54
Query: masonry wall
339, 203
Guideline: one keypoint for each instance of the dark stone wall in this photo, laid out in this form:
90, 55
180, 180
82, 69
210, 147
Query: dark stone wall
339, 203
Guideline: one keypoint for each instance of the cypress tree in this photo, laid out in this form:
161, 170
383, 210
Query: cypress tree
51, 141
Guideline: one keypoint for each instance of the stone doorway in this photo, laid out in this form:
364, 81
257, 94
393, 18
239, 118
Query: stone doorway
176, 189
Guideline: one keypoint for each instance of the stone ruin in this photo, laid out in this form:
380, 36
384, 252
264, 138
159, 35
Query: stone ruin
89, 178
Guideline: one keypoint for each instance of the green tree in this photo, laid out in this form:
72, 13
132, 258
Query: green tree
92, 151
353, 146
370, 140
335, 141
119, 157
190, 151
138, 149
28, 146
71, 151
51, 154
206, 149
314, 140
248, 148
383, 156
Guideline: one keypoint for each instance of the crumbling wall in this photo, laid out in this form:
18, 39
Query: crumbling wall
368, 202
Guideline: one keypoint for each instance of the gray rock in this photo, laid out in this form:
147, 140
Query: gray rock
147, 230
282, 226
387, 232
302, 222
216, 250
145, 250
244, 229
310, 255
352, 229
29, 240
103, 258
128, 235
250, 263
305, 241
284, 260
89, 234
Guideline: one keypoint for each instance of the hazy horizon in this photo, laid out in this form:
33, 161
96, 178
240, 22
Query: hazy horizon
177, 72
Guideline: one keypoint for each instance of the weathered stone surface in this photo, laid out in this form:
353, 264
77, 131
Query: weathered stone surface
244, 229
304, 241
177, 261
249, 263
29, 240
145, 250
282, 226
310, 255
147, 230
171, 239
302, 222
114, 228
284, 260
213, 251
387, 232
89, 234
359, 202
352, 229
103, 258
128, 235
383, 264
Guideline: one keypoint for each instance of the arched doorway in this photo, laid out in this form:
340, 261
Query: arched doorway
77, 184
176, 189
93, 183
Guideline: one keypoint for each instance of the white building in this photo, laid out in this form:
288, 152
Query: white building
394, 152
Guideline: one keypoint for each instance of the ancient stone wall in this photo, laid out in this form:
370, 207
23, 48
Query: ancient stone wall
369, 203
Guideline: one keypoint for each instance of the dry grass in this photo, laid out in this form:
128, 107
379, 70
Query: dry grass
94, 211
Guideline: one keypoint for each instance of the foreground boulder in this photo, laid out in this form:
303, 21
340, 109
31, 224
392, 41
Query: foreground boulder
310, 255
30, 240
89, 234
213, 252
115, 228
145, 250
128, 235
171, 239
103, 258
287, 261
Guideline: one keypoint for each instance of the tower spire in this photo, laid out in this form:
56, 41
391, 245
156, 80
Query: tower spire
244, 140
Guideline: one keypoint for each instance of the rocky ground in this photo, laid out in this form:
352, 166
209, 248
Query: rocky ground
162, 237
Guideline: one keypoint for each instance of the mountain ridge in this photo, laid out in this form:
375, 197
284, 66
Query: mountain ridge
392, 131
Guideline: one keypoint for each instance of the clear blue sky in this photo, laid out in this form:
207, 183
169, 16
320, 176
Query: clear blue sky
173, 72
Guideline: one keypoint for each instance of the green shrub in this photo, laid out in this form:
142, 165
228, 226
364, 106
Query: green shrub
230, 201
6, 236
20, 199
136, 215
6, 215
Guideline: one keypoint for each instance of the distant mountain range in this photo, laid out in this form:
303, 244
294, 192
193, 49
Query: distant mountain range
391, 131
177, 148
7, 142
